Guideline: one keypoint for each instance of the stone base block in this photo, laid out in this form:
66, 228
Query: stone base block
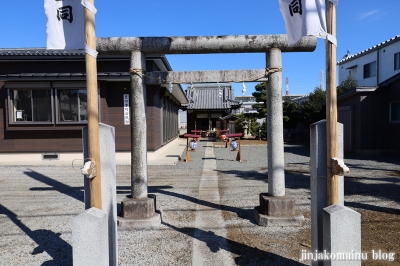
277, 206
268, 220
139, 213
144, 223
137, 208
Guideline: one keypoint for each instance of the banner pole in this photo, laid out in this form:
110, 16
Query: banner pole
93, 111
331, 106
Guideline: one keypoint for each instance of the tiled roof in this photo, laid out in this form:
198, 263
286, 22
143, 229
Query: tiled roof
40, 52
211, 97
371, 49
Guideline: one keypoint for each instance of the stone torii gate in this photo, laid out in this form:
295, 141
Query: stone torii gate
139, 209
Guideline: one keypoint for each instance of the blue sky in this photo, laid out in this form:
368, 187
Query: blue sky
360, 25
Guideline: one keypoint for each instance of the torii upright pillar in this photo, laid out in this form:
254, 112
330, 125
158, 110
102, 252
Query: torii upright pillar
138, 210
275, 208
276, 172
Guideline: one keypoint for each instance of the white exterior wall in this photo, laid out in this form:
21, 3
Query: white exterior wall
249, 106
386, 57
182, 119
358, 72
247, 102
385, 67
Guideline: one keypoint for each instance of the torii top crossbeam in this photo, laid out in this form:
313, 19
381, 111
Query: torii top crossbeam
203, 44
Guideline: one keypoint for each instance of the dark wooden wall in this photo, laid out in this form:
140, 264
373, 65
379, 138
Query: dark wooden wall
371, 127
393, 133
112, 112
154, 118
374, 121
68, 138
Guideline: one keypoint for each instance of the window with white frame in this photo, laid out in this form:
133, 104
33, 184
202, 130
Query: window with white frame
397, 61
395, 112
30, 104
370, 70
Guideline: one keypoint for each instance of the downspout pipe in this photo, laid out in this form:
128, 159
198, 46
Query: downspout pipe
377, 67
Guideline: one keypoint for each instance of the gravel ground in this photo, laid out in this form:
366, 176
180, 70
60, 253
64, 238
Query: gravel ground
38, 203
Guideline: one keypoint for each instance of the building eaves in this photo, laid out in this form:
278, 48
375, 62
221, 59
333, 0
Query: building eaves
355, 91
234, 101
390, 80
229, 116
62, 76
370, 49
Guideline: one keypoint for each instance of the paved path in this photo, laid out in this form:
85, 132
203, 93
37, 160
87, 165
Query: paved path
209, 218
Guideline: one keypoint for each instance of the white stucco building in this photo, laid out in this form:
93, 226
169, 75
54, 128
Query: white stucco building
373, 65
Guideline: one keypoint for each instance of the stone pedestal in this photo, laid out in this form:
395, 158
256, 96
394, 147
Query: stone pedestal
139, 213
318, 181
280, 211
342, 236
90, 240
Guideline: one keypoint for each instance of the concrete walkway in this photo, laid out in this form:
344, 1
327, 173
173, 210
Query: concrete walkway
208, 217
170, 154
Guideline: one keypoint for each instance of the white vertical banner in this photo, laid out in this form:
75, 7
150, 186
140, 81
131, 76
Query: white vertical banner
305, 18
127, 120
65, 24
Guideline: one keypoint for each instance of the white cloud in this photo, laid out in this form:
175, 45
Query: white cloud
368, 14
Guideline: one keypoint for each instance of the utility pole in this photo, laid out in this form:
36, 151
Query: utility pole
287, 87
321, 79
93, 110
331, 106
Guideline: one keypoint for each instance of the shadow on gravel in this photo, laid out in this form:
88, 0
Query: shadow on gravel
293, 179
367, 168
386, 157
247, 174
388, 190
151, 189
371, 207
47, 241
74, 192
298, 149
247, 256
241, 213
